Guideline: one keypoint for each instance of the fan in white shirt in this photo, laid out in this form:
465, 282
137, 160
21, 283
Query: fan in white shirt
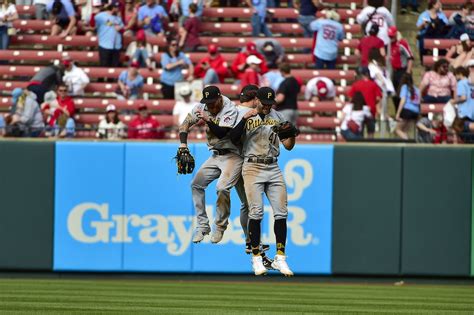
320, 89
353, 117
375, 12
183, 108
111, 127
75, 78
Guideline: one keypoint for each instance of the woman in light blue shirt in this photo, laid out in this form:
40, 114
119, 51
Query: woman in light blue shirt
409, 108
173, 62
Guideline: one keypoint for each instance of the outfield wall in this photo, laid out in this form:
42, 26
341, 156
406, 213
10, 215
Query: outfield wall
353, 209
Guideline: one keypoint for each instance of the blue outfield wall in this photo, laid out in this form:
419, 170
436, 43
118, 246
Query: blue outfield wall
122, 207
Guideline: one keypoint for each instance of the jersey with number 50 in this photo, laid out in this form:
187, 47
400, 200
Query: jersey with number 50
259, 140
381, 16
329, 34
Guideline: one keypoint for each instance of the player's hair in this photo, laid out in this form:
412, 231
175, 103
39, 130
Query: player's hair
248, 93
285, 68
462, 71
407, 80
358, 101
375, 3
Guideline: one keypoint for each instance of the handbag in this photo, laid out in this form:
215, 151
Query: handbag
352, 125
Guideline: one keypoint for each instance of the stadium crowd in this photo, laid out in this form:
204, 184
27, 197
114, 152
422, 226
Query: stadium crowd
46, 105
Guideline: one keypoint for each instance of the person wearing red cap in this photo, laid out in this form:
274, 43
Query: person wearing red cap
189, 32
74, 77
401, 59
130, 83
320, 89
144, 126
212, 68
140, 51
240, 62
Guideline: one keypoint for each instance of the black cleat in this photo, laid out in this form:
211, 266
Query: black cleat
267, 262
263, 248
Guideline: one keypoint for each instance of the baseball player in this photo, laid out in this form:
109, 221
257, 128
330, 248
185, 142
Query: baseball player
261, 174
248, 98
220, 115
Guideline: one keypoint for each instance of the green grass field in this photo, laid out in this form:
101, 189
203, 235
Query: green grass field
132, 296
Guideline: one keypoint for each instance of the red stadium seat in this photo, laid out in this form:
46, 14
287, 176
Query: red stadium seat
94, 119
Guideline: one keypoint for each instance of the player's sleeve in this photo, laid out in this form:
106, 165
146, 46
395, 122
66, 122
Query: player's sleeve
280, 116
229, 116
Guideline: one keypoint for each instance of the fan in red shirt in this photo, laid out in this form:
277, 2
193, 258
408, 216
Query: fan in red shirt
144, 126
63, 105
213, 68
252, 75
367, 43
372, 96
240, 62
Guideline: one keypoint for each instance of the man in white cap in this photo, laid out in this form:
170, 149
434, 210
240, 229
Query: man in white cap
183, 107
460, 54
252, 73
329, 33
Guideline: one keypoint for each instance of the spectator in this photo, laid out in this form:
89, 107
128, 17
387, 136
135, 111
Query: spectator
287, 95
320, 89
7, 15
431, 24
64, 17
212, 68
307, 13
140, 51
109, 25
152, 17
26, 120
75, 78
240, 62
182, 108
460, 54
329, 33
409, 109
372, 95
259, 15
375, 12
2, 125
229, 3
463, 97
184, 7
367, 43
62, 126
131, 17
41, 13
431, 130
273, 79
252, 73
353, 117
438, 85
111, 128
47, 79
173, 62
189, 32
401, 59
130, 83
144, 126
63, 107
462, 22
412, 3
272, 50
378, 72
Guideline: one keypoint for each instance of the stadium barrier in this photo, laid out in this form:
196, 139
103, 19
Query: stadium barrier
353, 209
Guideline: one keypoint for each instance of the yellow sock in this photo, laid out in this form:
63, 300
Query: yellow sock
279, 252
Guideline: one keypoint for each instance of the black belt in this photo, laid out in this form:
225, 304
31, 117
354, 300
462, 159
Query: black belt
268, 160
221, 151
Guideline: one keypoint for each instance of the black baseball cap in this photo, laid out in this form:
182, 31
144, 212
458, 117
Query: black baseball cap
248, 93
266, 96
210, 94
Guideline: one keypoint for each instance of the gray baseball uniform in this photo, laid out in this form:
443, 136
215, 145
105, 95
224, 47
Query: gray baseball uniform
225, 164
260, 170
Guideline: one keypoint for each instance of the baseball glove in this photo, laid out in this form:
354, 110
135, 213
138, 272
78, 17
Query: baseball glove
184, 161
286, 130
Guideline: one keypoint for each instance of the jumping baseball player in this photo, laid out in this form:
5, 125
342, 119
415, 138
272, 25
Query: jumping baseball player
225, 164
262, 129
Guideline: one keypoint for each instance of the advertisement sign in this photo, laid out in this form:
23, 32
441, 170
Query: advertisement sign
123, 207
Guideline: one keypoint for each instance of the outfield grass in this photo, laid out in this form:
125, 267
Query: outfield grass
71, 296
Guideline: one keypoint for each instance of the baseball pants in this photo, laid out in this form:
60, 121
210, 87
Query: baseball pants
227, 169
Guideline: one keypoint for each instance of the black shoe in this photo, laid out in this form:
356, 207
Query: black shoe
267, 262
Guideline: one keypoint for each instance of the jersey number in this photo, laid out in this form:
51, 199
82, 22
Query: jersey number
379, 21
329, 34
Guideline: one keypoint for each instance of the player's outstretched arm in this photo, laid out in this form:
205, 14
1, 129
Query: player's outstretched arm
289, 143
